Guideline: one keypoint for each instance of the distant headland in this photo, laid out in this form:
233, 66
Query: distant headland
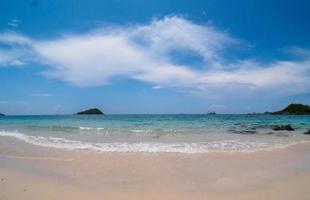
294, 109
92, 111
291, 109
1, 114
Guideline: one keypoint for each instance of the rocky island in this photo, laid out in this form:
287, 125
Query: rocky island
294, 109
92, 111
1, 114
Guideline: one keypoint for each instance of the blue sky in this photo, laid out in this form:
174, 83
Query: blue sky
58, 57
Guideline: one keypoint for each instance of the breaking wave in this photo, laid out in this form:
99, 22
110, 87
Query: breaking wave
158, 147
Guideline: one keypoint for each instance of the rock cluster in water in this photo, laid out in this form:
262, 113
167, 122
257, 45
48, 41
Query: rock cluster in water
92, 111
283, 128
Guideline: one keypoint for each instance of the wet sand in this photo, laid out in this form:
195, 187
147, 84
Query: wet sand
29, 172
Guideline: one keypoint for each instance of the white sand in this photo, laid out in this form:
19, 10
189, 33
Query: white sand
29, 172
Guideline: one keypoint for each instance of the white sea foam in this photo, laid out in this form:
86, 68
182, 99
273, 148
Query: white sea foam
202, 147
140, 131
91, 128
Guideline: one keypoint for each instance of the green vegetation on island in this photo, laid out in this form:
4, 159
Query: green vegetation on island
294, 109
92, 111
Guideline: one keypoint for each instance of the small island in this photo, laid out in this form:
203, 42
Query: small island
211, 113
253, 113
294, 109
92, 111
1, 114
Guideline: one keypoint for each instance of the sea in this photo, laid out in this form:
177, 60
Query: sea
182, 133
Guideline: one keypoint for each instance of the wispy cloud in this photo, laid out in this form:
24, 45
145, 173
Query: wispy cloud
14, 23
146, 53
217, 107
11, 38
13, 103
11, 58
299, 52
16, 50
40, 94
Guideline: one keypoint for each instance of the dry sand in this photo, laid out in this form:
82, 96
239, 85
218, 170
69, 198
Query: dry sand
28, 172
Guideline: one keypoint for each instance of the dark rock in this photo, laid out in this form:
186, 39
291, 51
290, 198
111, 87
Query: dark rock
288, 127
1, 114
276, 128
249, 132
283, 128
243, 131
294, 109
92, 111
307, 132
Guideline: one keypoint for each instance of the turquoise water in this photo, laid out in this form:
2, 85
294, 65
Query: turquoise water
156, 133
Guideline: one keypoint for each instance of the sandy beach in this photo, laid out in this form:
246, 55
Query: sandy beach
31, 172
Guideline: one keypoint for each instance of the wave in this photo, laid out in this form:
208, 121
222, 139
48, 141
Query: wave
52, 127
91, 128
66, 128
107, 130
201, 147
86, 128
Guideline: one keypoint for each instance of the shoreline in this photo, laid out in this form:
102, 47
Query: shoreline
227, 146
47, 173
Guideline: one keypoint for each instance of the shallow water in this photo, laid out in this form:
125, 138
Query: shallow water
157, 133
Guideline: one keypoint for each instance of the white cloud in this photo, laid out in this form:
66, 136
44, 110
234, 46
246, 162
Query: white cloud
93, 60
174, 33
278, 78
137, 52
145, 53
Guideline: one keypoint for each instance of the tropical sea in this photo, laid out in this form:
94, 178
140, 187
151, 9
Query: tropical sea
156, 133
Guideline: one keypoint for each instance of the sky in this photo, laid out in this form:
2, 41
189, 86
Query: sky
153, 57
